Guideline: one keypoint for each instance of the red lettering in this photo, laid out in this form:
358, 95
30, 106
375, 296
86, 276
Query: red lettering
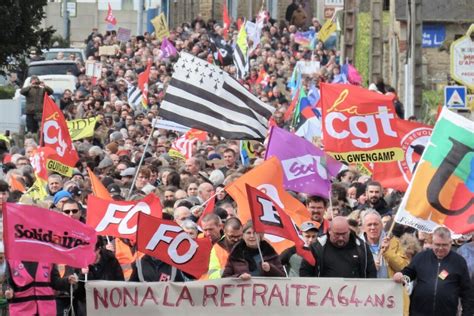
312, 291
101, 298
298, 287
149, 295
369, 300
287, 294
118, 294
379, 300
208, 295
242, 292
225, 295
275, 292
354, 299
133, 299
185, 295
262, 293
390, 302
165, 298
329, 296
344, 301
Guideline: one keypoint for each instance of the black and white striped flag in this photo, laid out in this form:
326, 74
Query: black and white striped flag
134, 96
203, 96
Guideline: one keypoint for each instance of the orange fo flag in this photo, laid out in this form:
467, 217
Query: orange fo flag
16, 185
268, 178
98, 189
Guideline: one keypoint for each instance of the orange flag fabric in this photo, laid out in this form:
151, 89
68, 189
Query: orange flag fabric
268, 177
16, 184
98, 189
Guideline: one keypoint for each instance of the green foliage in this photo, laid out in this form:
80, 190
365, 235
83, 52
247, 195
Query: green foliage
430, 102
21, 30
363, 46
7, 92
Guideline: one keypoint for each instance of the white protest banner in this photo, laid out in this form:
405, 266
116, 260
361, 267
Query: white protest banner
260, 296
170, 125
308, 67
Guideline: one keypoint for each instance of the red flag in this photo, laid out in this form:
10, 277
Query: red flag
358, 124
143, 84
55, 135
207, 210
167, 241
289, 112
225, 18
38, 161
119, 218
269, 218
36, 234
110, 18
414, 138
98, 189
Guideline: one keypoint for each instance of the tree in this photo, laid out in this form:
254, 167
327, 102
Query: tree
21, 30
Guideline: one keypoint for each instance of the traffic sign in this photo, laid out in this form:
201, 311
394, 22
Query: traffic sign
462, 59
455, 97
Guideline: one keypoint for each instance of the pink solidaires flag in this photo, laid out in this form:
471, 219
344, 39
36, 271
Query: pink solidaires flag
306, 168
167, 48
35, 234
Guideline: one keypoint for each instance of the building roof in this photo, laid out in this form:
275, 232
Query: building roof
455, 11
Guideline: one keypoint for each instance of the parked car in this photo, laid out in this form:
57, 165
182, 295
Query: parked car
53, 67
52, 53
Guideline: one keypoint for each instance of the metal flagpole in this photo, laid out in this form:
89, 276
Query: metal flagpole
141, 162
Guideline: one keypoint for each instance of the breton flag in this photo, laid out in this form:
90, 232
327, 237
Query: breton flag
134, 95
203, 96
241, 57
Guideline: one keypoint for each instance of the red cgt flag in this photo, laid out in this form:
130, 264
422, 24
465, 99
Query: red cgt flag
414, 138
269, 218
110, 18
167, 241
55, 135
143, 84
119, 218
358, 124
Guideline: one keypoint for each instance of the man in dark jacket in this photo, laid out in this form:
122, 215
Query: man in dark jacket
375, 200
150, 269
340, 254
442, 279
34, 94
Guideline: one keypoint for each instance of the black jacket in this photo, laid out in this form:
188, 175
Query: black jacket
364, 266
381, 206
155, 270
439, 284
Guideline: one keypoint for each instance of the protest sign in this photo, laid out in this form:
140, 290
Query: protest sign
260, 296
123, 34
109, 50
81, 128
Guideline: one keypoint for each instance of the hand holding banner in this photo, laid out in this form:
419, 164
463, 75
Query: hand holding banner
168, 242
119, 218
35, 234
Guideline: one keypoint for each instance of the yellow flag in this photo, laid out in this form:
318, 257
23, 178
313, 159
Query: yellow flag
5, 138
328, 28
161, 26
37, 192
82, 128
242, 40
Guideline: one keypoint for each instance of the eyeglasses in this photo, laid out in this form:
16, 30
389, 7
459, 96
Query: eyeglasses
73, 211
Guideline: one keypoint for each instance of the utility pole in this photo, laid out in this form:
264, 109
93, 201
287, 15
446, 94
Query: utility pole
141, 5
376, 40
65, 21
350, 29
413, 65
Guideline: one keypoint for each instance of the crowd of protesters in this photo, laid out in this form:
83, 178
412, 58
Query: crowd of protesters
347, 235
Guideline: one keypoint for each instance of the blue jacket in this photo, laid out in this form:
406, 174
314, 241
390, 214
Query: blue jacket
439, 284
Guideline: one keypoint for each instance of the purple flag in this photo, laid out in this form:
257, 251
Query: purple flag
167, 48
306, 168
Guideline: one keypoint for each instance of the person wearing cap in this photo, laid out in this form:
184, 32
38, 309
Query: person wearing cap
289, 258
126, 176
34, 94
340, 254
114, 190
60, 197
220, 251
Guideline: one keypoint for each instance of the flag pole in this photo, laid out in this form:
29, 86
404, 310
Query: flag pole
141, 162
258, 246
